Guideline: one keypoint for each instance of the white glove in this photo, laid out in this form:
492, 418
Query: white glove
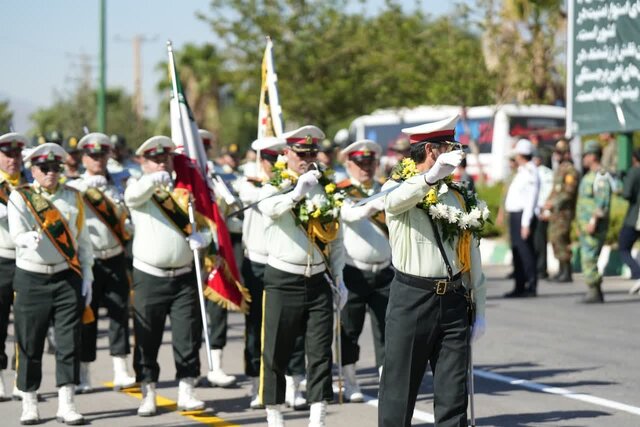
29, 240
375, 206
87, 291
342, 296
95, 181
196, 241
3, 210
160, 177
444, 166
306, 181
478, 329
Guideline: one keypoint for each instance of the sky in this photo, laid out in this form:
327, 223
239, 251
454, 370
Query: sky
42, 43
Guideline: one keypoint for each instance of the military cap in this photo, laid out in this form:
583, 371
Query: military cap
362, 149
12, 141
592, 147
304, 139
400, 145
269, 145
95, 142
523, 147
326, 146
55, 137
442, 131
206, 137
156, 145
117, 140
49, 152
562, 146
70, 145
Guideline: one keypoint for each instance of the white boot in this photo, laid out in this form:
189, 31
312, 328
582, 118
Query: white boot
216, 376
274, 416
318, 414
85, 379
3, 390
30, 413
187, 400
121, 378
255, 398
17, 394
351, 388
67, 412
148, 405
293, 396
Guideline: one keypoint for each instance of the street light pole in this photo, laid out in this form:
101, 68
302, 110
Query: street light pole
102, 112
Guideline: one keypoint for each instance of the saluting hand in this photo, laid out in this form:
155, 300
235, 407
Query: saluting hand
306, 181
160, 177
444, 166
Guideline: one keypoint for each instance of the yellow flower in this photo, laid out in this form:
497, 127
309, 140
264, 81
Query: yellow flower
395, 177
316, 213
280, 165
432, 197
338, 203
284, 175
330, 188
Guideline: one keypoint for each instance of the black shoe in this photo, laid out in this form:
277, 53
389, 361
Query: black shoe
594, 296
515, 294
509, 276
564, 275
531, 293
543, 275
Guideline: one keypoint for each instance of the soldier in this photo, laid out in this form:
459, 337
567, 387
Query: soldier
52, 279
438, 272
559, 209
367, 273
73, 164
105, 217
592, 214
11, 145
164, 281
305, 250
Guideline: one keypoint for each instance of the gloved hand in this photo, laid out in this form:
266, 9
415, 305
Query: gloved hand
342, 296
306, 181
160, 177
87, 291
478, 329
444, 166
3, 210
96, 181
29, 240
196, 241
375, 206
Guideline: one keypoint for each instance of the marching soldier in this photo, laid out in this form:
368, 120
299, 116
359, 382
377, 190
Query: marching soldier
164, 281
561, 208
592, 214
11, 145
253, 266
367, 273
305, 253
438, 272
52, 279
105, 217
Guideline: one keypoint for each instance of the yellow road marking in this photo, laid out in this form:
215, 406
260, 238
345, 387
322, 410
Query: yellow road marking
168, 405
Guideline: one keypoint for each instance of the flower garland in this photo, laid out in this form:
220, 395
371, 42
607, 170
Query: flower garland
452, 220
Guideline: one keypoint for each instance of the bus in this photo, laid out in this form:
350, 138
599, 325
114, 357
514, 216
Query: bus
489, 131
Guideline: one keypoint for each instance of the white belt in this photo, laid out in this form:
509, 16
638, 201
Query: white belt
7, 253
372, 267
295, 268
160, 272
256, 257
107, 253
41, 268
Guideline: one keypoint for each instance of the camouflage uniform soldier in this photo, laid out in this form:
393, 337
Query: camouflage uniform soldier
561, 208
592, 212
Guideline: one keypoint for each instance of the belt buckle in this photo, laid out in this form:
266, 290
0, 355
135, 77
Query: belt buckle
441, 287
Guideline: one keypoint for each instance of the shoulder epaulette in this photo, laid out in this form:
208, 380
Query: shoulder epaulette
345, 183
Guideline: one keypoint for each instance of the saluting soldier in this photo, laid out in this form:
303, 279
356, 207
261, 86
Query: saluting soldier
561, 209
106, 218
592, 214
164, 281
367, 273
432, 226
11, 145
52, 280
305, 252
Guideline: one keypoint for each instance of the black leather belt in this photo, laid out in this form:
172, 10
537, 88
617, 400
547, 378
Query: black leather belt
439, 285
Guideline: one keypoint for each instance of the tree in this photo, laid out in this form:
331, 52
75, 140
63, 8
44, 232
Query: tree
6, 116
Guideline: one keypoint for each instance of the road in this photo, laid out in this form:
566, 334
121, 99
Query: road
545, 361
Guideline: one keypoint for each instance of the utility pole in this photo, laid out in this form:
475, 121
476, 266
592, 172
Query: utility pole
102, 111
138, 96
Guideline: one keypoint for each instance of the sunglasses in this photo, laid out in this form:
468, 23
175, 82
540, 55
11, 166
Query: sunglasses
13, 153
159, 158
307, 154
98, 156
50, 167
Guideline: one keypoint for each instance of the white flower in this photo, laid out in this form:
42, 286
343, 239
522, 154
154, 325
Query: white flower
443, 189
441, 210
482, 205
309, 205
319, 200
485, 213
475, 214
335, 211
338, 196
453, 214
464, 220
285, 183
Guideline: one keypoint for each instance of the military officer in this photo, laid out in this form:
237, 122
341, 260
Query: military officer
11, 145
592, 214
560, 209
164, 281
106, 218
427, 316
305, 252
52, 279
73, 164
367, 273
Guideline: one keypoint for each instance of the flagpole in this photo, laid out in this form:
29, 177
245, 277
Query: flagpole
192, 219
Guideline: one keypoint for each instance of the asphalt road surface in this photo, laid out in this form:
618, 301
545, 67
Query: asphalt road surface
545, 361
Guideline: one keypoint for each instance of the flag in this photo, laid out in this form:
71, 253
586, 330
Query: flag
190, 163
269, 111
